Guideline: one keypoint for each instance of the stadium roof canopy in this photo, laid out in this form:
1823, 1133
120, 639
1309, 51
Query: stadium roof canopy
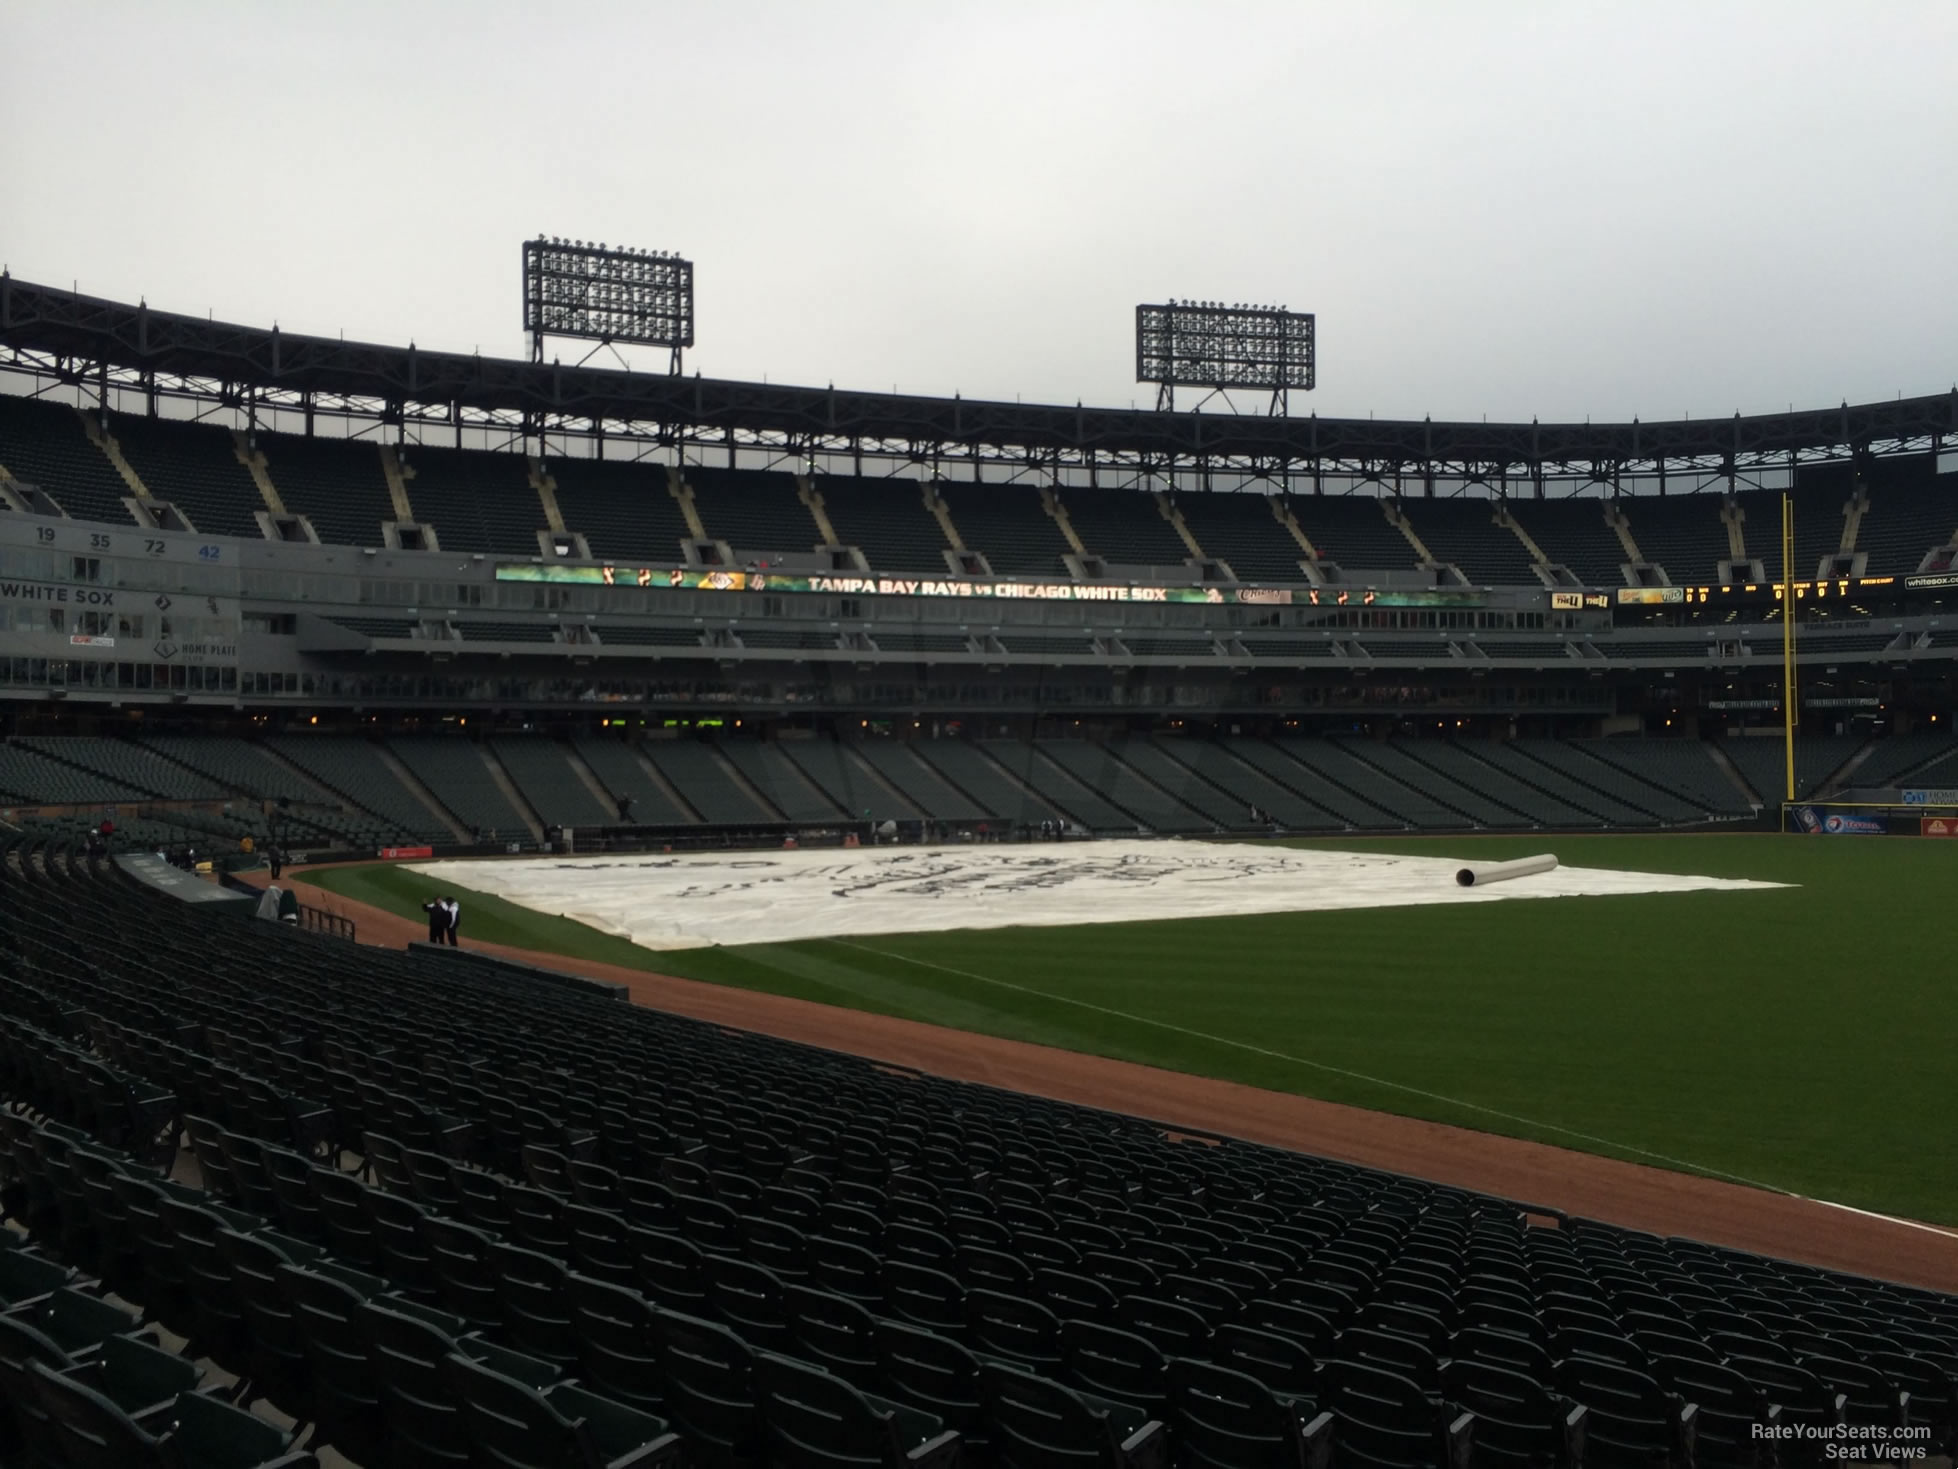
92, 343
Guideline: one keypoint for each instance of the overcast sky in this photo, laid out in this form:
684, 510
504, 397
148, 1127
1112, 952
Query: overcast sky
1554, 210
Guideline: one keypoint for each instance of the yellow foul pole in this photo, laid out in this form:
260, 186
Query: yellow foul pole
1788, 636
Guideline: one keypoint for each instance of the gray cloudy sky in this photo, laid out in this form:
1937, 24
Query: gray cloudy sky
1506, 208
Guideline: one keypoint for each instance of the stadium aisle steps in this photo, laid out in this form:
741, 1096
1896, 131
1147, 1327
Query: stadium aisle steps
1100, 768
336, 484
708, 783
1480, 782
1123, 527
1051, 781
1001, 794
772, 772
44, 444
543, 774
1181, 782
854, 786
1323, 788
622, 509
364, 776
1237, 528
1464, 533
1010, 526
624, 771
1246, 784
757, 512
1683, 534
935, 792
457, 775
195, 467
1683, 766
887, 520
1429, 776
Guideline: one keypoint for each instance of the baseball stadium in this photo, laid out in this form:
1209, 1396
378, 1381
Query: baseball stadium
566, 915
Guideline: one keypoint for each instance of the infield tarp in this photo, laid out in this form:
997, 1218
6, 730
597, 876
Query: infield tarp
694, 899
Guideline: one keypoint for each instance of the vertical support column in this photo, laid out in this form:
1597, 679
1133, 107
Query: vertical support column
1788, 695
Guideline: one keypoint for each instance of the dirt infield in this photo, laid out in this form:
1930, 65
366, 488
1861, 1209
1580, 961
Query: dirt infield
1573, 1183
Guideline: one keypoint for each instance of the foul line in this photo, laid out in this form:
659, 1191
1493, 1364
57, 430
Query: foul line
1413, 1091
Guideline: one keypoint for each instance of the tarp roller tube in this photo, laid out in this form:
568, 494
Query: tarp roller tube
1480, 873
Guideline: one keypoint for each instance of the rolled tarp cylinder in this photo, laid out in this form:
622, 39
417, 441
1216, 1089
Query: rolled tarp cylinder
1481, 873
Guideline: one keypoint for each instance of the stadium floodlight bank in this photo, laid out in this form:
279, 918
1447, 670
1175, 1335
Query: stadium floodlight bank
610, 296
1206, 344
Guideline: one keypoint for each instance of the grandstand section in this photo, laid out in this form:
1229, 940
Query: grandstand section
1574, 533
337, 484
1354, 532
1762, 764
887, 520
689, 1266
854, 787
477, 501
1049, 780
458, 774
1101, 769
1463, 533
354, 770
786, 788
708, 783
43, 444
756, 514
129, 764
1000, 569
1684, 766
938, 796
1124, 527
1240, 530
1682, 534
1009, 526
623, 772
543, 772
623, 510
193, 466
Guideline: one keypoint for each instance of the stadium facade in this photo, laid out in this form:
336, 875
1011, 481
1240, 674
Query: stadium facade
220, 530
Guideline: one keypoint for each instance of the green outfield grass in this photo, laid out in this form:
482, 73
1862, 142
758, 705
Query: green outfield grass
1798, 1038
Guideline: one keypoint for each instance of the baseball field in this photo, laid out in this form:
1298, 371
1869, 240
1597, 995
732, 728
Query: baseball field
1797, 1037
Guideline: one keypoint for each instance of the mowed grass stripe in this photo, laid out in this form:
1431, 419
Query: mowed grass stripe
1796, 1036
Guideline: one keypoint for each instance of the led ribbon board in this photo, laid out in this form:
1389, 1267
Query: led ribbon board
696, 579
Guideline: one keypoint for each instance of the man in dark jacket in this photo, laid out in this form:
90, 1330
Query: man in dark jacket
438, 919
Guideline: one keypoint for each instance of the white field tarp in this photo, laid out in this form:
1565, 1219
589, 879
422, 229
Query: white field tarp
685, 901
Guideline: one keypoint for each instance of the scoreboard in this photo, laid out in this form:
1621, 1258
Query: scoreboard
1735, 593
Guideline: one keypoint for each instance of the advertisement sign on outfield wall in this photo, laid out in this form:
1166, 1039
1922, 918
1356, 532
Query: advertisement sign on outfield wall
1938, 826
1817, 822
